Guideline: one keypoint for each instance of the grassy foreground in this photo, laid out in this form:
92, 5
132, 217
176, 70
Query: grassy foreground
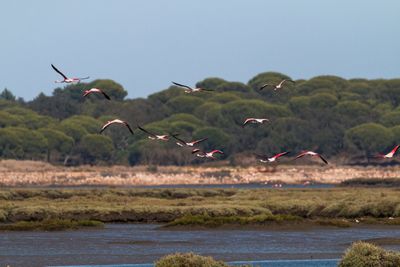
207, 207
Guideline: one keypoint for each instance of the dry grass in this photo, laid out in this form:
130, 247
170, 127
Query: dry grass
31, 173
367, 255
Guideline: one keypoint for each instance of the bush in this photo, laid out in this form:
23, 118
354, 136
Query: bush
362, 254
188, 260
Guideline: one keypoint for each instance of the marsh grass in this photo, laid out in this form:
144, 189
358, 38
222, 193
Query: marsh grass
210, 206
209, 221
50, 225
383, 182
368, 255
333, 222
190, 260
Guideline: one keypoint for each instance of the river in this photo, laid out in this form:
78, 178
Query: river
137, 244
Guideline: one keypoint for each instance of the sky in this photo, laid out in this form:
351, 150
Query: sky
144, 45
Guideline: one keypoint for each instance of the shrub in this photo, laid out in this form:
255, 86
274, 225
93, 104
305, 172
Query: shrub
188, 260
362, 254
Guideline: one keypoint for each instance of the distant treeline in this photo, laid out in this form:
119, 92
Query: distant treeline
346, 120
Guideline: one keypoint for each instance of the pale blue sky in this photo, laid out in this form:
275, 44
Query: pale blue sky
144, 45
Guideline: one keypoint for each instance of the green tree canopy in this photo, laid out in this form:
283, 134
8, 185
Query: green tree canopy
369, 137
95, 147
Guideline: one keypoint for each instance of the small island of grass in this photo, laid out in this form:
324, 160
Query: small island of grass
50, 225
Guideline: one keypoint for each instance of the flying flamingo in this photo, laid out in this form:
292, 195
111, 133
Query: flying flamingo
264, 158
66, 79
277, 86
96, 90
209, 155
390, 154
182, 143
254, 121
189, 89
118, 121
153, 136
311, 153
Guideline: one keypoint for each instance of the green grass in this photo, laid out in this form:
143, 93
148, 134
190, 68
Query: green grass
209, 206
50, 225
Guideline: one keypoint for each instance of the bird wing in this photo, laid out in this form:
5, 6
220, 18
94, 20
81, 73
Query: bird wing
394, 150
263, 86
285, 80
282, 82
129, 127
105, 95
217, 151
182, 85
105, 126
146, 131
247, 121
87, 93
196, 150
180, 140
301, 155
200, 140
280, 154
59, 72
322, 158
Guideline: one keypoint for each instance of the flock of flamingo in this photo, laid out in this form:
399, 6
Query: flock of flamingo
198, 152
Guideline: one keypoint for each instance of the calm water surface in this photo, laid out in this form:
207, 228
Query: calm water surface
119, 244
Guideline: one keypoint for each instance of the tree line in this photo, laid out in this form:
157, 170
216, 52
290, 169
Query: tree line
348, 120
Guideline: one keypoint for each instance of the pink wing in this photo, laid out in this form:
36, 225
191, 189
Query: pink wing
280, 154
301, 155
394, 150
200, 140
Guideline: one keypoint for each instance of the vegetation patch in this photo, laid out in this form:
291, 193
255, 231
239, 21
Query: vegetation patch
362, 254
50, 225
210, 221
383, 182
188, 259
333, 222
329, 207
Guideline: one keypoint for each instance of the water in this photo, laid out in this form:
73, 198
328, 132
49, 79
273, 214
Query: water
270, 263
119, 244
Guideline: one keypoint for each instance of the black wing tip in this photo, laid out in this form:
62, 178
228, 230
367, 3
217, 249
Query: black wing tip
106, 96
